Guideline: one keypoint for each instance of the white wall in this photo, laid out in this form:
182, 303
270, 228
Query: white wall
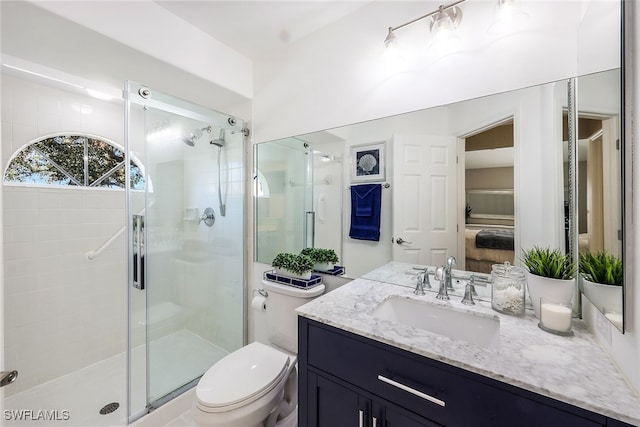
342, 79
62, 312
151, 29
107, 43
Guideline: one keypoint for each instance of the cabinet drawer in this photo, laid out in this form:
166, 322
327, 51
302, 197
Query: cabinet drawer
442, 393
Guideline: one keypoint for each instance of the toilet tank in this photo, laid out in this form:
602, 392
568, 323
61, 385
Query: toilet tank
282, 319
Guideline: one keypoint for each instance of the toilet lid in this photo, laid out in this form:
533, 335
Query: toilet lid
242, 376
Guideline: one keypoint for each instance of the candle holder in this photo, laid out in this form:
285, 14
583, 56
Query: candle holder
555, 317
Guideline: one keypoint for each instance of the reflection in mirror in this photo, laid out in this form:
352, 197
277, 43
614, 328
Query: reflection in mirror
511, 179
282, 194
600, 192
489, 205
424, 208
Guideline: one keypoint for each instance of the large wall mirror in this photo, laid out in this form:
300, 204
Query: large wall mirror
510, 179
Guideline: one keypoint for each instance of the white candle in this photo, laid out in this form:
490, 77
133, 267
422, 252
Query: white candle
555, 316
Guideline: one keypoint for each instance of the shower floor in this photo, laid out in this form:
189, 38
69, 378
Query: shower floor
84, 392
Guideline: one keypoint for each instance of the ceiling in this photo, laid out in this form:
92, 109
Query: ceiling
257, 29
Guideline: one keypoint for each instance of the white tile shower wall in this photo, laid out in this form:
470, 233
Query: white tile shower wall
62, 312
215, 309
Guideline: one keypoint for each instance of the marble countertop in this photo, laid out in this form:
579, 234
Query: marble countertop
572, 369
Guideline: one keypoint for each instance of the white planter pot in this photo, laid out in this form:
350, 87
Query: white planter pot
304, 276
556, 290
606, 298
323, 266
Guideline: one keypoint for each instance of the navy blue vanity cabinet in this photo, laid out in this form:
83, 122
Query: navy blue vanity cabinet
343, 375
334, 403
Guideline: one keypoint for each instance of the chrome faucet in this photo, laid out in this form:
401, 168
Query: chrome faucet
445, 279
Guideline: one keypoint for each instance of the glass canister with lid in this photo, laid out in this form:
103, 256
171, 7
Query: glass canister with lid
508, 289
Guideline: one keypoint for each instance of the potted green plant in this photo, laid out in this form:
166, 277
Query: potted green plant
324, 259
602, 276
550, 274
293, 265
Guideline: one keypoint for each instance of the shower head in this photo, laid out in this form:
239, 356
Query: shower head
195, 135
220, 141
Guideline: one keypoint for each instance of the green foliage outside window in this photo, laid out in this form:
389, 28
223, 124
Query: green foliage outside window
75, 160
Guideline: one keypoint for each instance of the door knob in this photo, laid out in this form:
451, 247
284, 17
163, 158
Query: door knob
400, 241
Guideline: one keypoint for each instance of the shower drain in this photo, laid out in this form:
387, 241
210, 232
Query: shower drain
109, 408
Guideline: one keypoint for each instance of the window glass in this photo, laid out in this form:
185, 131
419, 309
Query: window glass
75, 160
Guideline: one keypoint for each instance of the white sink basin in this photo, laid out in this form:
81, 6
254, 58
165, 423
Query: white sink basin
458, 325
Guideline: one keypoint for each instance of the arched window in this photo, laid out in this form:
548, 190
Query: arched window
72, 159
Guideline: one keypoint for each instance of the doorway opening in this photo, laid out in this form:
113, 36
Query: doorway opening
489, 197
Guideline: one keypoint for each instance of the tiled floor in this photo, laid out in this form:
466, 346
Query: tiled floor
84, 392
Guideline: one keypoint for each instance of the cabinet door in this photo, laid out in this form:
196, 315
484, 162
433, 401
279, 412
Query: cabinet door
334, 405
396, 417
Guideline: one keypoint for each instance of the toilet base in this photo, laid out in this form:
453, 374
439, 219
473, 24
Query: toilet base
290, 421
252, 415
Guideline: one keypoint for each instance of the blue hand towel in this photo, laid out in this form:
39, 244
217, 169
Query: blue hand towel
365, 211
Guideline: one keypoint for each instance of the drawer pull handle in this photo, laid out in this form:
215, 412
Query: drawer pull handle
411, 390
360, 418
375, 422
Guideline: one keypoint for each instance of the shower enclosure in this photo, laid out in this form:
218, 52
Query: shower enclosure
123, 281
186, 289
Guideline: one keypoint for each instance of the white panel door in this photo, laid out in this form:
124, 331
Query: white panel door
424, 199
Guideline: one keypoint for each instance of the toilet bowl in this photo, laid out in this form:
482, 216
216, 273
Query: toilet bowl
256, 385
244, 387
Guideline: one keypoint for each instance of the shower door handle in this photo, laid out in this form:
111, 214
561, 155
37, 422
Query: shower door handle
138, 251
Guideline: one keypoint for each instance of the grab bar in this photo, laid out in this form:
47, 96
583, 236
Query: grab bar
91, 255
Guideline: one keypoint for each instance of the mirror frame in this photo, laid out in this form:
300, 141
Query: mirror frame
627, 147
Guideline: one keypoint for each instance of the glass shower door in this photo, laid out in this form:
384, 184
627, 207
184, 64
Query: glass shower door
186, 241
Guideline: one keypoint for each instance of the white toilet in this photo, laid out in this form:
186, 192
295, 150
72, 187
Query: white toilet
257, 384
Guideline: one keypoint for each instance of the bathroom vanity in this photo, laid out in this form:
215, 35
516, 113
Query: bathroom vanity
358, 366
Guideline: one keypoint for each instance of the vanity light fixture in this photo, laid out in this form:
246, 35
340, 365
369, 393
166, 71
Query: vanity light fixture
509, 15
443, 22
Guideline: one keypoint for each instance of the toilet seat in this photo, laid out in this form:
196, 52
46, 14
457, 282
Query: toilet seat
241, 377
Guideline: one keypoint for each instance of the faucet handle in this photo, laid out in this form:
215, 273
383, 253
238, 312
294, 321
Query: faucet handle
425, 279
419, 290
468, 295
